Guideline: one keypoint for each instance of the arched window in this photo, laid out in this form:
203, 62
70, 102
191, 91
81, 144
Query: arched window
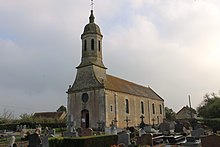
99, 45
92, 44
142, 107
153, 109
85, 45
160, 109
127, 106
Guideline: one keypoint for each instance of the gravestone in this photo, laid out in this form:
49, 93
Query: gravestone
73, 133
79, 130
172, 125
70, 134
11, 141
45, 142
20, 127
69, 123
39, 128
178, 128
124, 138
17, 128
101, 125
197, 133
147, 129
145, 139
142, 124
24, 127
211, 141
113, 129
164, 128
87, 132
107, 131
127, 121
141, 132
191, 142
46, 131
132, 130
34, 140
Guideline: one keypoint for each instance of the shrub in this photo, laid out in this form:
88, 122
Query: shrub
213, 123
11, 127
90, 141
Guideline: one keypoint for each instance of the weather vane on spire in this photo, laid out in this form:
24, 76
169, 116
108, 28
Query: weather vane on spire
92, 4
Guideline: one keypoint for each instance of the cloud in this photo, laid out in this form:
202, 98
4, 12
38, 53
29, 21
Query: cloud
174, 50
170, 45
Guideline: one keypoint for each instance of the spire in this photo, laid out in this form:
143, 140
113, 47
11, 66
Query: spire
91, 17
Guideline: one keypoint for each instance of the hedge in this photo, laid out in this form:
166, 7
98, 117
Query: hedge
213, 123
11, 127
89, 141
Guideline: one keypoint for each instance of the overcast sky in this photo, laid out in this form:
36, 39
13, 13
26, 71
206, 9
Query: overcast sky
173, 46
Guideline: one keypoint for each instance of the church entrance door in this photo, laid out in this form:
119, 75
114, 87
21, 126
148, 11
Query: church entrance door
84, 118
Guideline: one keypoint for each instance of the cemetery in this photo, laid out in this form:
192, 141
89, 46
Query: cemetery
175, 133
95, 116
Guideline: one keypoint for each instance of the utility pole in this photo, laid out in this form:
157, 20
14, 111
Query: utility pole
190, 108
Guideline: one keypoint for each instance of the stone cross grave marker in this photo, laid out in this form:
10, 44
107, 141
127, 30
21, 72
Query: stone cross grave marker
127, 121
142, 124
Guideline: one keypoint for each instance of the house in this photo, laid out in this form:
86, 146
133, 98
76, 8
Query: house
186, 113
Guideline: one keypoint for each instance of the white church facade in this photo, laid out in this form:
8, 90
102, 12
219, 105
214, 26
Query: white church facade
96, 96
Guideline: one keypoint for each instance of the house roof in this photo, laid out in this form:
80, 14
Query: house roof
120, 85
185, 108
49, 114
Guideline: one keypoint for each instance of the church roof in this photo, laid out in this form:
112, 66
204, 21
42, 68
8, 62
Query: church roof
120, 85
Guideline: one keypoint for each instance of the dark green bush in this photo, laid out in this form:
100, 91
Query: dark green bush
91, 141
213, 123
11, 127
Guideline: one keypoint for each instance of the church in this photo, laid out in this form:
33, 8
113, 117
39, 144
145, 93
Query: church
96, 96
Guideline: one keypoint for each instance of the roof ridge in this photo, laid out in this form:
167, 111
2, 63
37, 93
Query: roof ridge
129, 81
125, 86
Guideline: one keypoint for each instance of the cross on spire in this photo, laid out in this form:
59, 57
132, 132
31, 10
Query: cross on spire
92, 4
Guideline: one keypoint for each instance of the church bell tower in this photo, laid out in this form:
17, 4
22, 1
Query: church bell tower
91, 72
86, 97
91, 44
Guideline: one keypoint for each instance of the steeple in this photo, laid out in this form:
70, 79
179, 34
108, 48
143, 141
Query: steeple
91, 44
91, 18
91, 72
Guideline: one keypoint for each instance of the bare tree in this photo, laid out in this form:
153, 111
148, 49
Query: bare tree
6, 116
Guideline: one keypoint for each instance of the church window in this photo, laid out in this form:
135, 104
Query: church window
111, 108
99, 45
153, 109
160, 109
127, 106
142, 107
85, 45
92, 44
85, 97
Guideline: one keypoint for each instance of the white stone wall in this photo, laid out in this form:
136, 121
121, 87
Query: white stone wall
134, 109
95, 106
